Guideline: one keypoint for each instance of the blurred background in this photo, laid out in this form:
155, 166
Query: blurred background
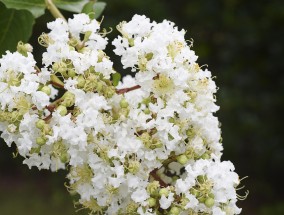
242, 43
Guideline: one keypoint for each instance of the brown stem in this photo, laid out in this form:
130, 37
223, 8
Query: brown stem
48, 117
157, 178
57, 84
125, 90
37, 69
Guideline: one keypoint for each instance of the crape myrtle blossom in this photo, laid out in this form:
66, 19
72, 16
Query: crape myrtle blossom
149, 145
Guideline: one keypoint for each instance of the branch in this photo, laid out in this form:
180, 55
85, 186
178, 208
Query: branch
54, 10
57, 84
157, 178
125, 90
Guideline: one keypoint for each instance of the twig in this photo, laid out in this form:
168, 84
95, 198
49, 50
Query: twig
57, 84
125, 90
157, 178
54, 10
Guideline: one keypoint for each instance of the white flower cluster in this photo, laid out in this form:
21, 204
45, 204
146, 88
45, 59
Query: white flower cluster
149, 146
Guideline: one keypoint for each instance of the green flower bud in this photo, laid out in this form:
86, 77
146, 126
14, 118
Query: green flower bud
190, 132
147, 111
171, 120
182, 159
81, 81
194, 192
211, 195
201, 178
40, 141
99, 87
131, 41
83, 50
175, 211
40, 124
202, 199
209, 202
60, 67
152, 202
146, 101
123, 103
205, 156
149, 56
64, 158
68, 99
164, 191
71, 73
46, 90
62, 110
35, 150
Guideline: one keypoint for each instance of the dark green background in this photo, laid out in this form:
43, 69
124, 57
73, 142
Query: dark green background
242, 42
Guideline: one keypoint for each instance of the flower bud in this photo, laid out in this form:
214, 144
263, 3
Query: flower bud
152, 202
40, 124
40, 141
209, 202
46, 90
174, 211
64, 158
123, 103
147, 111
205, 156
71, 73
68, 99
62, 110
164, 191
182, 159
81, 81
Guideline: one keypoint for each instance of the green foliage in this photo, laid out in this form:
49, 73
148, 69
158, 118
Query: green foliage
37, 7
94, 9
116, 78
17, 18
71, 5
15, 25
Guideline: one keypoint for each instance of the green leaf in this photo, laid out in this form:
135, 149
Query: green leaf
99, 8
36, 7
94, 10
116, 78
15, 25
89, 9
75, 6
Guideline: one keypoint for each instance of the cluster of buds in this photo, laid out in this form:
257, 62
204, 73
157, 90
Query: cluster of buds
149, 144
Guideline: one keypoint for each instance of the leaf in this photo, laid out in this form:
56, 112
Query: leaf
88, 8
36, 7
75, 6
94, 10
99, 8
15, 25
116, 78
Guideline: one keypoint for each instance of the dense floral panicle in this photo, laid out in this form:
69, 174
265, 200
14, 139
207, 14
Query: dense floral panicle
151, 145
